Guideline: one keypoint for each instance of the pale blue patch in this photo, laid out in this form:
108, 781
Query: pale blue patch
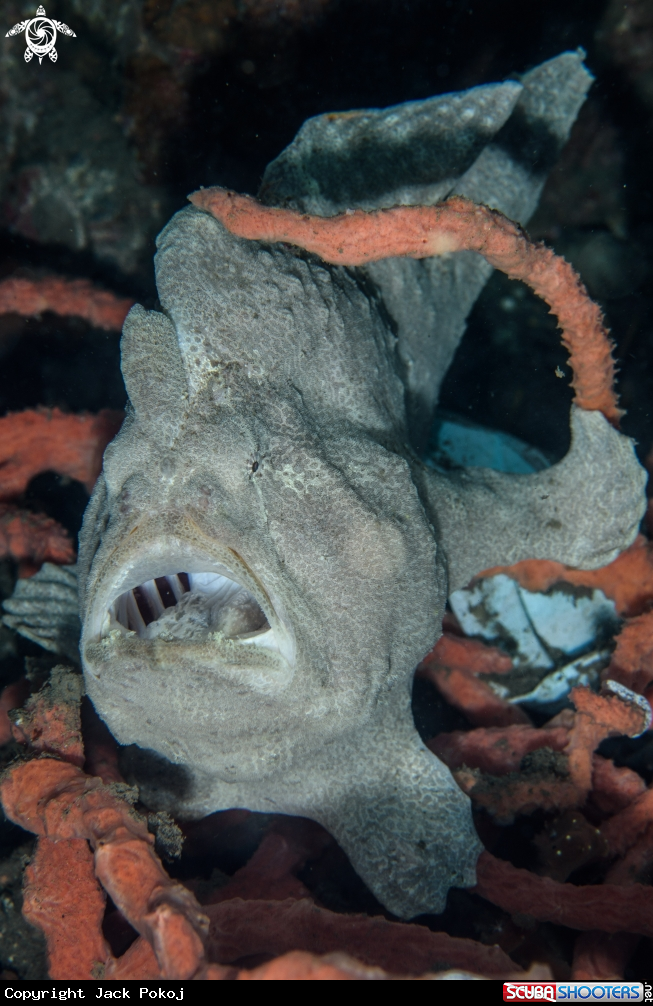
458, 443
542, 631
583, 672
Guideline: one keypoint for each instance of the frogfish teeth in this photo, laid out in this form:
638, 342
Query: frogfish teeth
265, 560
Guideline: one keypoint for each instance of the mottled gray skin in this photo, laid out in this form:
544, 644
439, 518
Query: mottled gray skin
268, 439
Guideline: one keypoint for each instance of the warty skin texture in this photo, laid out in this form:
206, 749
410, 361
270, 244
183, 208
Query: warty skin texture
297, 480
268, 440
329, 533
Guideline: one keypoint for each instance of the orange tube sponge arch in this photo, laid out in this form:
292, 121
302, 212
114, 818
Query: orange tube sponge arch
356, 238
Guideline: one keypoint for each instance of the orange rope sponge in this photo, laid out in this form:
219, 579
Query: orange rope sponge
31, 297
41, 440
356, 238
31, 539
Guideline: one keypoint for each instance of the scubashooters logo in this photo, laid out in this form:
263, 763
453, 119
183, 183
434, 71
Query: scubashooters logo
40, 35
572, 991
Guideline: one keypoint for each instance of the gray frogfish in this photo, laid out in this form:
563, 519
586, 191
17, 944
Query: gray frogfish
265, 558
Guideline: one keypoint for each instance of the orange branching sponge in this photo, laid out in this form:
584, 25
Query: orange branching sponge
68, 810
614, 788
356, 238
31, 539
628, 580
50, 721
53, 798
266, 909
624, 829
61, 895
305, 967
634, 867
58, 801
89, 833
497, 750
250, 928
563, 778
452, 666
545, 787
602, 956
40, 440
300, 966
610, 907
598, 717
632, 660
79, 297
472, 697
62, 898
269, 873
470, 654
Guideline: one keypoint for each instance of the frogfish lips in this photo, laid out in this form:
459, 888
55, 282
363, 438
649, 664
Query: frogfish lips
166, 594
